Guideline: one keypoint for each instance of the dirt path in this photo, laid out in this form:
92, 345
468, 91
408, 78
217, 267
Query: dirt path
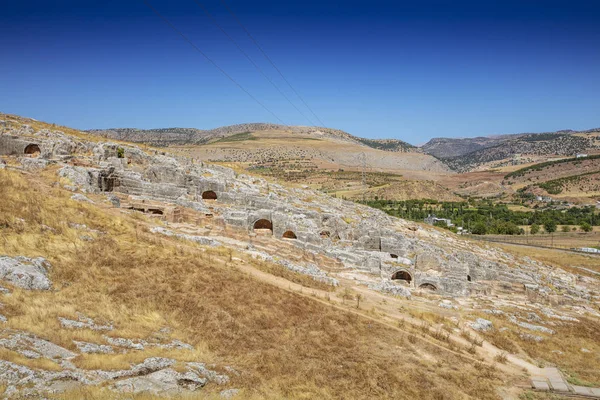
542, 379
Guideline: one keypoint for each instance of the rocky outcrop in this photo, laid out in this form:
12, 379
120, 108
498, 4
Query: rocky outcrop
26, 273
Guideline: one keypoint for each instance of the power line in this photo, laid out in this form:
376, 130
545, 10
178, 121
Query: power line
211, 61
209, 15
271, 61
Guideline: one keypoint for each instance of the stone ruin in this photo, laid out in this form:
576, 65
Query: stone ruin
369, 245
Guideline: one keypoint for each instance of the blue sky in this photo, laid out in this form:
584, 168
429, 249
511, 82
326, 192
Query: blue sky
409, 70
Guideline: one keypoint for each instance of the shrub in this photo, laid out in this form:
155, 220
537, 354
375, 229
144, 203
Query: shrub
479, 229
586, 227
550, 226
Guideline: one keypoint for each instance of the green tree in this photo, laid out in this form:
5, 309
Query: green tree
565, 228
535, 229
550, 226
479, 229
586, 227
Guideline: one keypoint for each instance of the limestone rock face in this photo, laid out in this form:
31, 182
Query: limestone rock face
33, 163
26, 273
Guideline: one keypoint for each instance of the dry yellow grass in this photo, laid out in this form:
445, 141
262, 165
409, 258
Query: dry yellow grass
563, 259
287, 345
562, 349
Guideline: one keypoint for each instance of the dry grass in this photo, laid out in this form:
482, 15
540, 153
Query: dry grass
562, 349
287, 345
557, 258
501, 358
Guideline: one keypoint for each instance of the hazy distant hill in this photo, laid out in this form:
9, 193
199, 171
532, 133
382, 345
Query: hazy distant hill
192, 136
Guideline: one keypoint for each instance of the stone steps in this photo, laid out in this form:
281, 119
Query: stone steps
552, 381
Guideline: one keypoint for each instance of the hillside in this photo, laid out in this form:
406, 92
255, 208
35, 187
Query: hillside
191, 136
450, 147
296, 153
570, 178
141, 273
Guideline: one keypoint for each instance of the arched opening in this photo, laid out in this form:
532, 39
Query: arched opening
394, 255
209, 195
428, 286
402, 275
263, 226
155, 211
469, 278
32, 149
289, 235
325, 234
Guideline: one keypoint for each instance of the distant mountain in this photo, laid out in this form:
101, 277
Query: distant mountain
469, 153
192, 136
449, 147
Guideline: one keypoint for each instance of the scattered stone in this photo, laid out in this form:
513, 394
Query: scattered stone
126, 343
166, 381
200, 368
33, 347
447, 304
531, 338
33, 163
387, 286
531, 327
3, 319
86, 347
584, 350
80, 197
229, 393
533, 317
26, 273
175, 344
116, 202
481, 325
493, 312
83, 322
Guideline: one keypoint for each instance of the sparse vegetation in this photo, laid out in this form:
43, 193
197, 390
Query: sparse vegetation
540, 166
238, 137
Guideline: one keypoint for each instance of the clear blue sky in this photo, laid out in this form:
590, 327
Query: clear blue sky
410, 70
